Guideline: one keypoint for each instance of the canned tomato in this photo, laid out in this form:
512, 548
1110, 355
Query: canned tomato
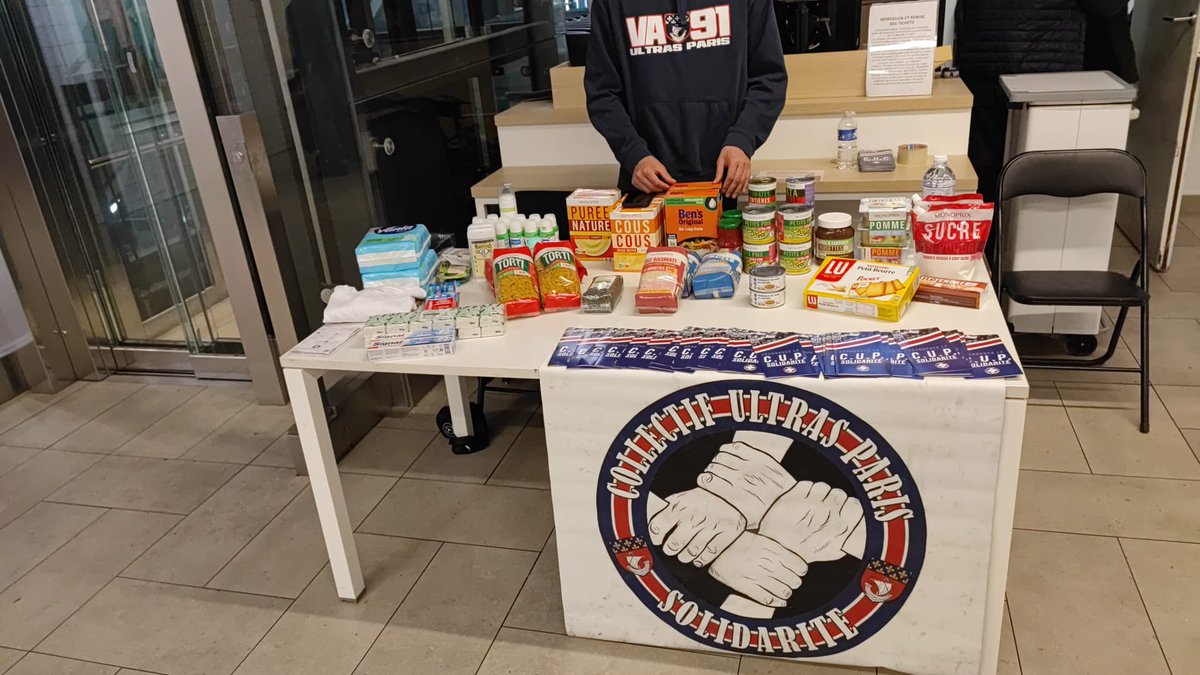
767, 299
757, 255
767, 279
762, 190
758, 224
796, 258
795, 223
801, 190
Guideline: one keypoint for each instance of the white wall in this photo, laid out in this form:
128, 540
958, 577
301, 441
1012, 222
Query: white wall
1191, 158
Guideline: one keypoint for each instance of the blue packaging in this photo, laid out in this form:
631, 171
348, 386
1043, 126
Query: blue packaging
421, 275
717, 276
990, 358
392, 249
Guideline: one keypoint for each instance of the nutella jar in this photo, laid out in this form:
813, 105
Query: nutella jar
834, 236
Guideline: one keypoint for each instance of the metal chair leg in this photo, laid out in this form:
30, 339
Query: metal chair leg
1145, 367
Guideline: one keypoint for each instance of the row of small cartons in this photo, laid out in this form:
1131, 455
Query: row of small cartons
606, 226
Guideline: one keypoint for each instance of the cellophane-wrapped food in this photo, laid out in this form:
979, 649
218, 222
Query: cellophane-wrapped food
515, 282
557, 275
662, 280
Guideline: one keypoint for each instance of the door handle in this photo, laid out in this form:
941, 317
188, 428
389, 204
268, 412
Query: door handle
1190, 19
388, 146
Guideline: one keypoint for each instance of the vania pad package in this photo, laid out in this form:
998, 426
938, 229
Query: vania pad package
718, 275
392, 249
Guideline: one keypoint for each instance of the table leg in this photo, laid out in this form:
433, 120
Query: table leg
309, 410
1011, 437
460, 406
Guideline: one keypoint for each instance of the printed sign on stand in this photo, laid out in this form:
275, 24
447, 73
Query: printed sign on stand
802, 519
901, 38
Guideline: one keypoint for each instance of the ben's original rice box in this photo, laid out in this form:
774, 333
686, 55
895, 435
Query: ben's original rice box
636, 226
588, 214
691, 213
876, 290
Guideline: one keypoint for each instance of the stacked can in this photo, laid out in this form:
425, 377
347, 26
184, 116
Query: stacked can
795, 229
801, 190
762, 190
758, 236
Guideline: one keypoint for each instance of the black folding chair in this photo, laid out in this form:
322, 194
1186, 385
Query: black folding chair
1079, 173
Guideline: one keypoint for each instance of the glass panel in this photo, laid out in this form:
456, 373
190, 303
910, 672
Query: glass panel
103, 139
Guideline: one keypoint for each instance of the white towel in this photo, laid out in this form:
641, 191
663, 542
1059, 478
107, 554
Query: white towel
347, 304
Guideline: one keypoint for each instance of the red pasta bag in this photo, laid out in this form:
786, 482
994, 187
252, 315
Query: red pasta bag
515, 282
558, 273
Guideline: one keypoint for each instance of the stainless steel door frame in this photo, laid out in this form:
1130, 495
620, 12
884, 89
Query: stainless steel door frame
180, 67
37, 271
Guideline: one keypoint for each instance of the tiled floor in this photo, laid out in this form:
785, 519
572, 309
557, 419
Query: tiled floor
151, 527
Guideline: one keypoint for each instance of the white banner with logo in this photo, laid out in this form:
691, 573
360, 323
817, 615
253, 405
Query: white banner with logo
844, 521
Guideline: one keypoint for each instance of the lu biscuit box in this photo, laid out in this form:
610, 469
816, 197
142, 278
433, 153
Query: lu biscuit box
635, 229
588, 213
691, 213
875, 290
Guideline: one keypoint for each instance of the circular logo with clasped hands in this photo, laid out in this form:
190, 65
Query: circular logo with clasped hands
760, 518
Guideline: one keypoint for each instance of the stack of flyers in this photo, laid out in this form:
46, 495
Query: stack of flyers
989, 357
565, 349
899, 363
786, 355
934, 352
909, 354
863, 354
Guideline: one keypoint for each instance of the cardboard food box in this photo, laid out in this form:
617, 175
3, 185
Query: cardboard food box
875, 290
691, 213
956, 292
635, 228
885, 221
588, 213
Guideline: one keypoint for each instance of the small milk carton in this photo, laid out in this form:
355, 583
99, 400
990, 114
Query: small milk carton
635, 228
588, 214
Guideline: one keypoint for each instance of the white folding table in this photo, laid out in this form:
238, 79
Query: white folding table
527, 345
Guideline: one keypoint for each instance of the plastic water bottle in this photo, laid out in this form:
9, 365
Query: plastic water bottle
939, 179
508, 200
847, 141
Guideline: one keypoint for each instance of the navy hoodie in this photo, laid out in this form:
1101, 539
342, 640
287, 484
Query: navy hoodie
680, 79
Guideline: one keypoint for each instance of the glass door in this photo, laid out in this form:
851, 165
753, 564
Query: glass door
85, 86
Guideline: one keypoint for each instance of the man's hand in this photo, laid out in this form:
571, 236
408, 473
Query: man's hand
760, 569
746, 477
813, 521
651, 176
733, 171
696, 526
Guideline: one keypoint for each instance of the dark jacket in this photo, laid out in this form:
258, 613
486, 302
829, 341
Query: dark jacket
683, 89
1000, 37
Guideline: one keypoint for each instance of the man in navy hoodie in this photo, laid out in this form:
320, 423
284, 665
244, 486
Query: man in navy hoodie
684, 90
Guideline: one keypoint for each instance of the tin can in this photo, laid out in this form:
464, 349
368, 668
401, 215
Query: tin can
757, 255
768, 279
758, 224
768, 299
801, 190
762, 190
796, 258
795, 223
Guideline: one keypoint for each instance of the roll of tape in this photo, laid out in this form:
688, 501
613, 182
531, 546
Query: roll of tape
912, 153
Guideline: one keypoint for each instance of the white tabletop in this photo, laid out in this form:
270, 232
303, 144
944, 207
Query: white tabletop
526, 345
